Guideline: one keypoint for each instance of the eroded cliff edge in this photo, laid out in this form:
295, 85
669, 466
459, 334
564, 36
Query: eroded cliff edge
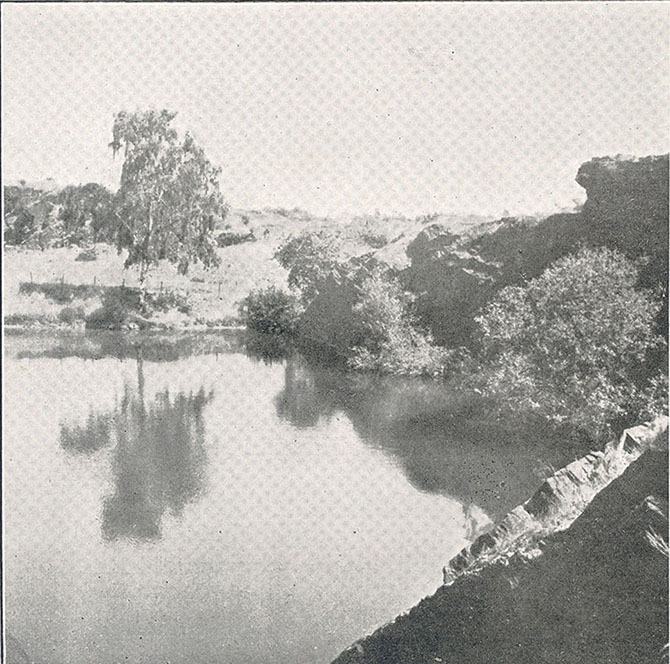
576, 574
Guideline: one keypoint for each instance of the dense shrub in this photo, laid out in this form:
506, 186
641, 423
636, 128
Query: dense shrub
165, 300
271, 311
577, 344
122, 306
71, 315
391, 341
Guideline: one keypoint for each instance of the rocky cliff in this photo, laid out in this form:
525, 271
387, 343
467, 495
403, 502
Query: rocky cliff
560, 499
595, 591
453, 272
626, 209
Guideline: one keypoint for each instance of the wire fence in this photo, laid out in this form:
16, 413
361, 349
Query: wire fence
95, 281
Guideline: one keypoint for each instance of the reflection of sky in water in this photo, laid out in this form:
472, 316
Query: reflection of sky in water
226, 508
208, 528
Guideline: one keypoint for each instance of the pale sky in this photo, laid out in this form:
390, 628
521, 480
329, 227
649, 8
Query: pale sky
410, 108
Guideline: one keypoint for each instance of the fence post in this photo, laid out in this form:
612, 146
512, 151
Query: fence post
95, 279
123, 283
31, 277
218, 294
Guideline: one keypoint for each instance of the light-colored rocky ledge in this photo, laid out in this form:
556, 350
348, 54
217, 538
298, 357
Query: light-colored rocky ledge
558, 502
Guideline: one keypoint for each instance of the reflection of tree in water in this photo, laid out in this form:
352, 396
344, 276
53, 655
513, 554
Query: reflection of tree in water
158, 460
151, 346
301, 402
442, 437
94, 435
266, 348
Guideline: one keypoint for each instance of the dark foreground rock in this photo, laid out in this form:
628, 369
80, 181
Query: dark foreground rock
596, 592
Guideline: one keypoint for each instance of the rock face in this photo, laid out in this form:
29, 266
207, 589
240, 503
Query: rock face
594, 592
626, 209
455, 270
450, 282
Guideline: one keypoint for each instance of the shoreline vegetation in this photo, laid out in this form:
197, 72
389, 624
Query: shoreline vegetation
561, 318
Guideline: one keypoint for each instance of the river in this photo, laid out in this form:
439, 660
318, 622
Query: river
195, 501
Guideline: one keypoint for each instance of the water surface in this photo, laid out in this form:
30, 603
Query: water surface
186, 501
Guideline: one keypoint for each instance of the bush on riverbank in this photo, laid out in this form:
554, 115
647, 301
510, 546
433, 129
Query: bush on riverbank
123, 307
270, 311
577, 344
391, 342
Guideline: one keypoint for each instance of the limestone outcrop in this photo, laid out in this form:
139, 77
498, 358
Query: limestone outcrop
560, 500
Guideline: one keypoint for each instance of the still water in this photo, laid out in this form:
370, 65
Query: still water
194, 501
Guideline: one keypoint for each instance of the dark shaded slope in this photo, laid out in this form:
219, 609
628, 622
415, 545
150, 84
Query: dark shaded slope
453, 274
598, 593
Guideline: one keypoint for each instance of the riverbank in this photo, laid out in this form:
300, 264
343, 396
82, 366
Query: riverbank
578, 573
62, 286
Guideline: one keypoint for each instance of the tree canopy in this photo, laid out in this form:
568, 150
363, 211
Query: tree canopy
168, 202
85, 213
310, 259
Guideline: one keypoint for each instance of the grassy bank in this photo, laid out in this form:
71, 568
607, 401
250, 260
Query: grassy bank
40, 284
53, 288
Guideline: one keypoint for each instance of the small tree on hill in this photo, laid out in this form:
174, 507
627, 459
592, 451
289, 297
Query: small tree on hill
310, 259
169, 201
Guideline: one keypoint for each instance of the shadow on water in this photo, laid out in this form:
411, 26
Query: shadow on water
445, 440
95, 345
158, 458
442, 438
